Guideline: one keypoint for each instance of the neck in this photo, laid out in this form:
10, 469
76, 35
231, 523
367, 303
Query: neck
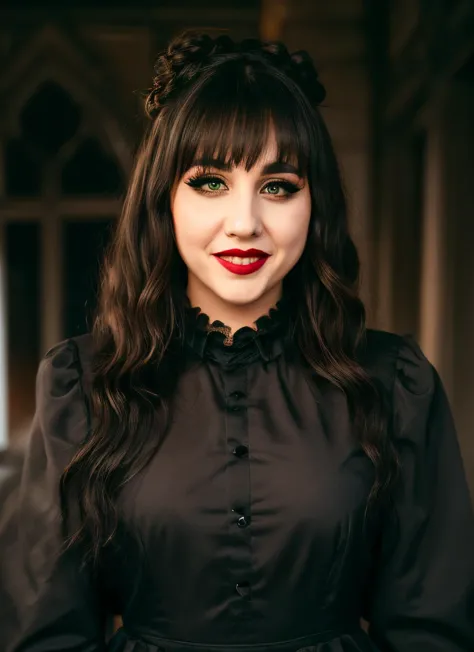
234, 315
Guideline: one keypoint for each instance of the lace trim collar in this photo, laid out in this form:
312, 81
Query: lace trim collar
215, 340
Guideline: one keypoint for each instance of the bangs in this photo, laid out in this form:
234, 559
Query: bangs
233, 114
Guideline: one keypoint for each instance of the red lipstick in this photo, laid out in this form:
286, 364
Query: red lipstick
242, 269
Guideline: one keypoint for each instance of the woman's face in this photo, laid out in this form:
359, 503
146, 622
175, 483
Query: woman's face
240, 232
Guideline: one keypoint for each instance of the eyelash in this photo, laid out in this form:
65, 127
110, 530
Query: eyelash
198, 181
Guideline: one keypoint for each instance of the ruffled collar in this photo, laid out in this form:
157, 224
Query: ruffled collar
213, 340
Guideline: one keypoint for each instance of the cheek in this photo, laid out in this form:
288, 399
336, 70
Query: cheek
290, 232
187, 235
193, 228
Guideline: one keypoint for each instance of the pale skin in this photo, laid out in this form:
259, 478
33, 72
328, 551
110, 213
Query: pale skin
216, 208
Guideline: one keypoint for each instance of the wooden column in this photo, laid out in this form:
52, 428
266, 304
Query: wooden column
4, 421
384, 248
399, 254
3, 343
436, 314
458, 155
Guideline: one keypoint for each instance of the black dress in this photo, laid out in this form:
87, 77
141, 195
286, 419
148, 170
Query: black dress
247, 530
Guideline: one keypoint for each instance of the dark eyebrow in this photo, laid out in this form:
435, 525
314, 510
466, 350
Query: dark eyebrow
280, 166
271, 168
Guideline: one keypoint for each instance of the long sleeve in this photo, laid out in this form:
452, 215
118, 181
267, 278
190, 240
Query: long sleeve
423, 594
48, 603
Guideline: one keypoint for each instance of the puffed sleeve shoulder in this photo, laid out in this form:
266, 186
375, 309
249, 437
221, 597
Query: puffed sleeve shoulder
422, 598
49, 598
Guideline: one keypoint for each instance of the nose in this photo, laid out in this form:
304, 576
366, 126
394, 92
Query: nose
243, 220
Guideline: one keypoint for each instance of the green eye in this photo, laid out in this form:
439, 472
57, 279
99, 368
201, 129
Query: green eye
206, 184
214, 185
280, 189
273, 188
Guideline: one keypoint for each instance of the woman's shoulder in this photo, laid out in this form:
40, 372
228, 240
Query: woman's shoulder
80, 347
62, 388
70, 358
398, 359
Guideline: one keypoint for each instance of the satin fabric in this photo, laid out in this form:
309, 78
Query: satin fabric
248, 529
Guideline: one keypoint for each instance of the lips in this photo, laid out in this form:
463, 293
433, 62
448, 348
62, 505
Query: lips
242, 262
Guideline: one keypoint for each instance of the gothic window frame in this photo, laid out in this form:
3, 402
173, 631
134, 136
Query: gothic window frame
52, 57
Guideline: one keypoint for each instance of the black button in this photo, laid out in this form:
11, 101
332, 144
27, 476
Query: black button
236, 408
242, 521
237, 395
241, 451
243, 589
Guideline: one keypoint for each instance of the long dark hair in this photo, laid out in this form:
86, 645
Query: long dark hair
213, 97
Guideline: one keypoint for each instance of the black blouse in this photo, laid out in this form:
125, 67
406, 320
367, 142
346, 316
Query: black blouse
247, 531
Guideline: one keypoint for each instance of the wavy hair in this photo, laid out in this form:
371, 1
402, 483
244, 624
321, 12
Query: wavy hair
214, 98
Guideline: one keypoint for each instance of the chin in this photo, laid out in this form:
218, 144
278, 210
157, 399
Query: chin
239, 301
243, 297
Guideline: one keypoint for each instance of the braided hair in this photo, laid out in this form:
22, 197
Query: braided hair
190, 54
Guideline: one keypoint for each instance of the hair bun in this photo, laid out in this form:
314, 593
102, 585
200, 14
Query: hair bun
308, 77
299, 66
189, 48
183, 59
190, 52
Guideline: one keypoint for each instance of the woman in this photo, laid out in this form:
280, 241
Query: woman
241, 465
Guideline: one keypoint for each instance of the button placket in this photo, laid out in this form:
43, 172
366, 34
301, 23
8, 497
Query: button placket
235, 387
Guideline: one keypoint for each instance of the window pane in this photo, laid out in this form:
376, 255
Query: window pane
91, 171
23, 303
50, 118
22, 172
83, 247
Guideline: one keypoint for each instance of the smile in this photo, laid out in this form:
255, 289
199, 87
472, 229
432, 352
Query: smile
242, 262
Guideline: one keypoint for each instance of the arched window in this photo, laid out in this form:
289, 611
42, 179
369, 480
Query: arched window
56, 151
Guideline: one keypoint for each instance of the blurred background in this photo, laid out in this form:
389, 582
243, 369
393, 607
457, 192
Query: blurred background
400, 107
